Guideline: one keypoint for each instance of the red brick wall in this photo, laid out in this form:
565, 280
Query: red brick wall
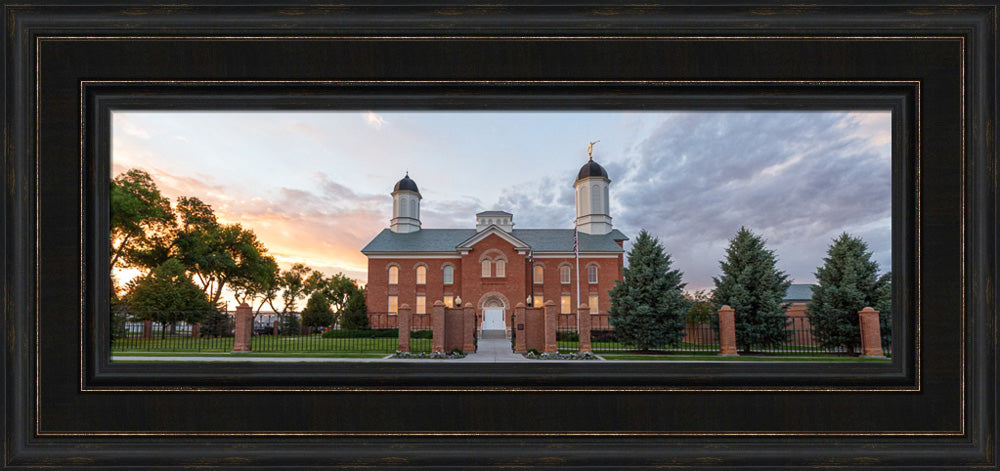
378, 288
453, 322
534, 329
471, 286
608, 271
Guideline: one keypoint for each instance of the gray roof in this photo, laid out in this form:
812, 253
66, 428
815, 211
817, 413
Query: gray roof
799, 292
494, 213
446, 240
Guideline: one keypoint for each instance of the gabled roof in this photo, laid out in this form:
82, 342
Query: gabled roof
448, 240
494, 213
492, 229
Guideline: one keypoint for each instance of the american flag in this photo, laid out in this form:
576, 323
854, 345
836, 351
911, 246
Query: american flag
576, 245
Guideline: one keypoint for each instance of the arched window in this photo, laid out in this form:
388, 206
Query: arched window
539, 271
402, 206
564, 274
607, 206
595, 199
487, 272
592, 274
413, 209
421, 275
501, 268
449, 274
393, 275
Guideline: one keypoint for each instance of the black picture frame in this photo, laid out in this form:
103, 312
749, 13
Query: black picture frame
933, 64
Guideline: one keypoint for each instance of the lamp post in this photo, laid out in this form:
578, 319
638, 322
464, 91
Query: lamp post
458, 301
528, 301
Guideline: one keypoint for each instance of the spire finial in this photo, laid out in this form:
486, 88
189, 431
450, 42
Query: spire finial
590, 149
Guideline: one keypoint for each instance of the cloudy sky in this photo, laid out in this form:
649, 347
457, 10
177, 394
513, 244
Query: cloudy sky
314, 186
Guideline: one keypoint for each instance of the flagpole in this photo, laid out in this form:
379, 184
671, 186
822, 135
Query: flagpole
576, 253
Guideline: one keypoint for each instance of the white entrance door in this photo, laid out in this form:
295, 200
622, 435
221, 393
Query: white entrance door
493, 318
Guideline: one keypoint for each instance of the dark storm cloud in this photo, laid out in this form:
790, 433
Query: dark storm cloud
543, 203
797, 179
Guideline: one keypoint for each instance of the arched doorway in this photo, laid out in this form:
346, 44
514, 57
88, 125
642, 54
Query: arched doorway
494, 307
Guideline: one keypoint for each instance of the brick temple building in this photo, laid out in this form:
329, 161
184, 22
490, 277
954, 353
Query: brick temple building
495, 266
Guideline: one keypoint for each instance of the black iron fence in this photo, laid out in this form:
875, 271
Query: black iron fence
699, 338
216, 334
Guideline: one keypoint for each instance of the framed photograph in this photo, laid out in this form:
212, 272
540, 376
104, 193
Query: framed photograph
448, 167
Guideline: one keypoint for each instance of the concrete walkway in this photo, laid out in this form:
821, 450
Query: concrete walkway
493, 350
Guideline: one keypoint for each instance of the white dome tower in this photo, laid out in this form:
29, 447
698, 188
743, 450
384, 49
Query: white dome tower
591, 188
405, 206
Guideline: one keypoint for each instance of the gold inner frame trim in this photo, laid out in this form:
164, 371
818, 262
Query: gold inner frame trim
917, 241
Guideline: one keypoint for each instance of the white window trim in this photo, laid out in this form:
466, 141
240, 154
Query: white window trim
538, 274
501, 268
568, 272
417, 273
444, 275
486, 268
391, 268
595, 272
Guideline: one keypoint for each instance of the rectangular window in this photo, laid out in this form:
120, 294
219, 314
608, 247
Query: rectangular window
393, 306
538, 301
501, 268
449, 301
538, 274
449, 275
564, 274
594, 309
564, 306
592, 274
421, 304
486, 269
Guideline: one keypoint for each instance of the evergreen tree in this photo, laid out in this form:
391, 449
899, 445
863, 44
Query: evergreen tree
648, 308
317, 312
753, 286
355, 313
848, 282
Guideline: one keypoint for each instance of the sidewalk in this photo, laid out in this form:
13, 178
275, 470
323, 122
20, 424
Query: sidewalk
494, 350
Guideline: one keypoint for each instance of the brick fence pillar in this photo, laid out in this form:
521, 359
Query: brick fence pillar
243, 328
275, 327
550, 327
437, 324
517, 327
583, 332
404, 317
196, 330
727, 331
147, 329
468, 328
871, 333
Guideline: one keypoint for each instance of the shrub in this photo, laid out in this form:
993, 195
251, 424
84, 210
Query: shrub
360, 333
567, 336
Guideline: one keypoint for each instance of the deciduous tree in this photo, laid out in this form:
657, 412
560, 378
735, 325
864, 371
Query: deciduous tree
141, 221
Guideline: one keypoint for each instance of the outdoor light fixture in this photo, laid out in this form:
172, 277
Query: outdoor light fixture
458, 301
528, 300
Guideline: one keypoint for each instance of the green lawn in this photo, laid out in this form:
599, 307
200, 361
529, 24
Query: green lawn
268, 343
774, 357
251, 354
569, 346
